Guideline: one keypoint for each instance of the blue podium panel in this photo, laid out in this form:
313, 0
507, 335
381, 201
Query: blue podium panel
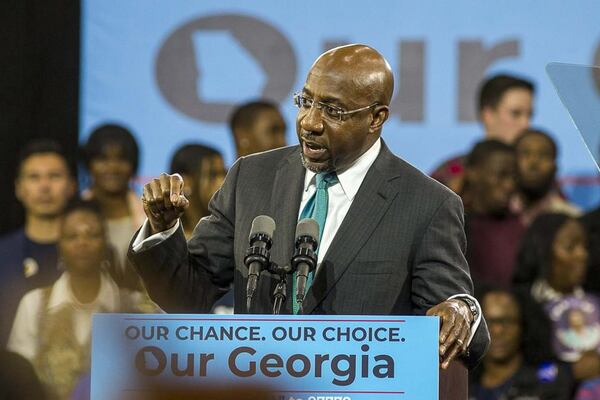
295, 357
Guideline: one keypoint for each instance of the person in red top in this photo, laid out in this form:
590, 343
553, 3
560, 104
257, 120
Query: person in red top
493, 232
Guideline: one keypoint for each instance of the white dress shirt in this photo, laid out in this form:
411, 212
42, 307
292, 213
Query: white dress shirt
340, 195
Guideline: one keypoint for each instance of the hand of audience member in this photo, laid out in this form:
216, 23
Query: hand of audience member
455, 320
164, 201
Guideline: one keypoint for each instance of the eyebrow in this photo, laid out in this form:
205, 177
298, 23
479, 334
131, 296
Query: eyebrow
327, 100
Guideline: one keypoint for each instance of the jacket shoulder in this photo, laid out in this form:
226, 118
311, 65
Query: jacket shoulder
404, 176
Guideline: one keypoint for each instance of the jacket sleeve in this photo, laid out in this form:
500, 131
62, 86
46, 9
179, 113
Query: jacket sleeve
191, 277
440, 269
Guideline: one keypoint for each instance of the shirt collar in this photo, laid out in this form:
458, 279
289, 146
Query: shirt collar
352, 177
62, 295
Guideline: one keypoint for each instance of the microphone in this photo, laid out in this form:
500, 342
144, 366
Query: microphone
258, 256
304, 260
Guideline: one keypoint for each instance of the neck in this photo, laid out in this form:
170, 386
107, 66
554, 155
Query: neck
42, 229
560, 288
497, 372
113, 205
531, 197
85, 287
477, 207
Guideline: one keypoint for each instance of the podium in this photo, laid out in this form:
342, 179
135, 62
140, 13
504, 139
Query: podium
454, 382
286, 357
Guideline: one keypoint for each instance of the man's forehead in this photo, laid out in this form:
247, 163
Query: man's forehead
331, 87
44, 161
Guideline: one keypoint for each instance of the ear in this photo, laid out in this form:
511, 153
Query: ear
486, 114
18, 190
380, 114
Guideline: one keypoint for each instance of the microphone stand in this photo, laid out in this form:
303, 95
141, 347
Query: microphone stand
279, 294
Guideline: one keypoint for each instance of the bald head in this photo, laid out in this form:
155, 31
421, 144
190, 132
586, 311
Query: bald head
363, 67
342, 107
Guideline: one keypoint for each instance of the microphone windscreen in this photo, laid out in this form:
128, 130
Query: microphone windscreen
263, 224
308, 227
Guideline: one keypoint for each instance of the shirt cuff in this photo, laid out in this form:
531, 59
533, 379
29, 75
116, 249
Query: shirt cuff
474, 324
142, 241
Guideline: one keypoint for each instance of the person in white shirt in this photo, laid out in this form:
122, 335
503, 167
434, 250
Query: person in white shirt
391, 240
52, 327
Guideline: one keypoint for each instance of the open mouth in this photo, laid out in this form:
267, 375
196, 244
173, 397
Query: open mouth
313, 150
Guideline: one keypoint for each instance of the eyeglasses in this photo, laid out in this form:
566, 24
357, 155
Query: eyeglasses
328, 110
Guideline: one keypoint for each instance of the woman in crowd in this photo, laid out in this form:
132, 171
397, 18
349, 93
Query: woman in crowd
52, 328
519, 363
552, 266
203, 172
111, 158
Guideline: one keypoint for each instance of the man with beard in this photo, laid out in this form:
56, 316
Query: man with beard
538, 191
493, 232
392, 242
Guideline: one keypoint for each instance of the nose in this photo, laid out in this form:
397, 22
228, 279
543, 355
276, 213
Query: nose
509, 184
496, 329
312, 120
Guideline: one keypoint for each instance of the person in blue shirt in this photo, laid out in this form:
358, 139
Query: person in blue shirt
28, 257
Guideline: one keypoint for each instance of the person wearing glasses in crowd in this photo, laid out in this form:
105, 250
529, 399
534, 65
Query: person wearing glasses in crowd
392, 239
518, 364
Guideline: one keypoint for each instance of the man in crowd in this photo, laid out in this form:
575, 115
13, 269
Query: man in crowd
538, 191
257, 126
379, 218
28, 256
504, 109
493, 232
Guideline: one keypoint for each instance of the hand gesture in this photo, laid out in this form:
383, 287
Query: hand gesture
455, 319
164, 202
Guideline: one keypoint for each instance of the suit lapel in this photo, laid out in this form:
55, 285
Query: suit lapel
368, 207
285, 203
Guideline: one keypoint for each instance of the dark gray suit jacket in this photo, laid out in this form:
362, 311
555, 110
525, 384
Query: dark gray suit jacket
399, 250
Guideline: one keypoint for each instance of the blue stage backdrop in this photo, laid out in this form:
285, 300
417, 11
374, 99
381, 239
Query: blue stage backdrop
171, 70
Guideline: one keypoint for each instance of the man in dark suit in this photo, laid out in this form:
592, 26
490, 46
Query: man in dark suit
393, 242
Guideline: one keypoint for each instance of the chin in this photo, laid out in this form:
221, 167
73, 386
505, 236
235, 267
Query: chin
317, 168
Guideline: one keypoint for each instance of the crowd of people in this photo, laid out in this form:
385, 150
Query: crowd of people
532, 253
69, 259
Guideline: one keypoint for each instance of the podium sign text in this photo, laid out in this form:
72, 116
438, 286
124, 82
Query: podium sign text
298, 357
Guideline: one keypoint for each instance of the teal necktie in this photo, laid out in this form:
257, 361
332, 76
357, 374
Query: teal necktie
316, 208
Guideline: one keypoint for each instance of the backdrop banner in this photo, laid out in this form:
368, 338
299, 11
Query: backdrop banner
295, 357
172, 70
